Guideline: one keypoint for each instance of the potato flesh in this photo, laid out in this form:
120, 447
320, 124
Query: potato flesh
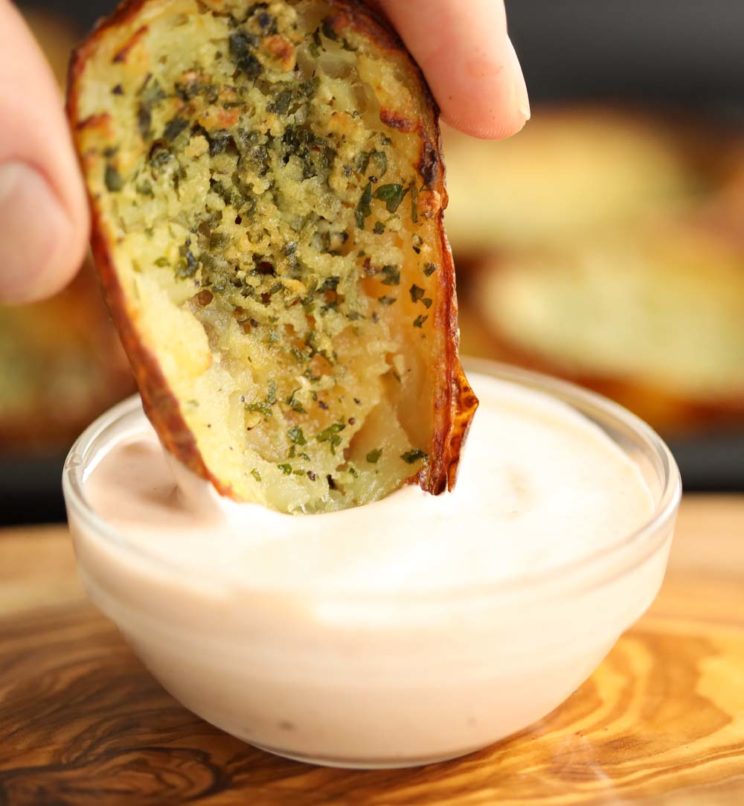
270, 243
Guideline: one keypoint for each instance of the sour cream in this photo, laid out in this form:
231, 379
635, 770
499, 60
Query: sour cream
539, 487
403, 632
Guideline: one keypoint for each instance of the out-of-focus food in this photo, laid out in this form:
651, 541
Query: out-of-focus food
60, 360
569, 171
657, 321
603, 246
61, 365
56, 35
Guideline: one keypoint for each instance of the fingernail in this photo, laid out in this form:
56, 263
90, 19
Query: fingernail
521, 96
33, 227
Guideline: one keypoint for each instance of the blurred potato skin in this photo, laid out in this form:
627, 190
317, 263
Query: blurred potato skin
613, 259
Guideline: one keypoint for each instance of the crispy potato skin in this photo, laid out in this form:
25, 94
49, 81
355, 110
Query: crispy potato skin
160, 404
454, 400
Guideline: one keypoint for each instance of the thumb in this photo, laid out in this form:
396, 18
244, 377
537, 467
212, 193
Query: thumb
43, 213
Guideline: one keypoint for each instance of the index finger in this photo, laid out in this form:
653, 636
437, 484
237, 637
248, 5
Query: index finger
468, 59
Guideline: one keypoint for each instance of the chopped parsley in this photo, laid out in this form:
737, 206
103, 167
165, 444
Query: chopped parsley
391, 275
331, 435
374, 456
413, 456
112, 178
296, 437
392, 195
364, 207
416, 292
264, 406
174, 128
241, 52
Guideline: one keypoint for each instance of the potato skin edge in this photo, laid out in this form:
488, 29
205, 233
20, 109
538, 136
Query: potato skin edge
454, 400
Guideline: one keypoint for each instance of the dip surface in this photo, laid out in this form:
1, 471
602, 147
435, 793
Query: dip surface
539, 487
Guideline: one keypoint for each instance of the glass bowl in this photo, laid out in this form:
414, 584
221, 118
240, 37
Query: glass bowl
371, 680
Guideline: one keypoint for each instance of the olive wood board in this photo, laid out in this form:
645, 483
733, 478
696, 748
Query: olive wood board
661, 721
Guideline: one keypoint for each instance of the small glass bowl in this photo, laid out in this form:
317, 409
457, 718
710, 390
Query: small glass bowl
378, 680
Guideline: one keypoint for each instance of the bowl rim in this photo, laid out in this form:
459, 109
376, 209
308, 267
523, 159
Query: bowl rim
609, 561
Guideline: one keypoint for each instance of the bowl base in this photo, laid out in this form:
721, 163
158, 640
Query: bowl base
363, 764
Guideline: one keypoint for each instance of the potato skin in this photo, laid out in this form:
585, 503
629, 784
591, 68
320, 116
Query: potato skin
454, 401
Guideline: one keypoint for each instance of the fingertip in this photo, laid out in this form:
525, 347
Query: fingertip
469, 62
486, 97
479, 123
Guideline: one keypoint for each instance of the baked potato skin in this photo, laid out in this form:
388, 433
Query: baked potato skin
678, 403
452, 401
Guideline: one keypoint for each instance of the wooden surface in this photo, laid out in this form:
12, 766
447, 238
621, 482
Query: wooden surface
661, 721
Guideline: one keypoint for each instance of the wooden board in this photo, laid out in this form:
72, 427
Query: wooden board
661, 721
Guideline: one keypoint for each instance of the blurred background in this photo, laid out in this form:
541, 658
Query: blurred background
604, 244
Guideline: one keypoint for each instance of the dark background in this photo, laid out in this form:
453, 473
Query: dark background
689, 51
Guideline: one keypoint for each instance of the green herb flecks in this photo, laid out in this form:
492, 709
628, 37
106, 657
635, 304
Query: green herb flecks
241, 52
295, 436
373, 457
376, 161
149, 95
328, 31
187, 264
413, 456
392, 195
112, 179
390, 275
364, 207
174, 128
264, 406
419, 320
291, 401
314, 153
416, 292
331, 435
316, 44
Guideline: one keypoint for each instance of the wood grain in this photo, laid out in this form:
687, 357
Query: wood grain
661, 721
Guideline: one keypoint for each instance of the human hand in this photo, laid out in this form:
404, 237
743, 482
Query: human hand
468, 59
462, 47
43, 213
